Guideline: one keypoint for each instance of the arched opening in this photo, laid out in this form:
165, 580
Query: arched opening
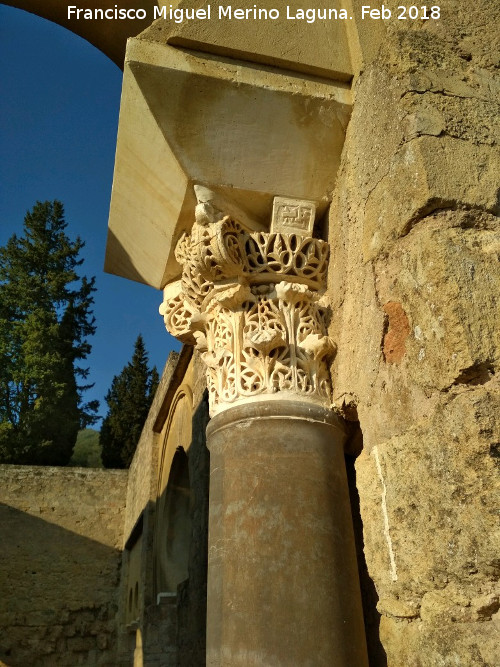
174, 527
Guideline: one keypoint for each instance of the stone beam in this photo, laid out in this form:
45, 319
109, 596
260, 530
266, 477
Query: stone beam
314, 43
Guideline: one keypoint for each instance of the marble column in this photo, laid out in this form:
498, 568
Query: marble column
283, 587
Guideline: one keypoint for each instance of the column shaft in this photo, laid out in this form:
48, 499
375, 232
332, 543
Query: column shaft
283, 585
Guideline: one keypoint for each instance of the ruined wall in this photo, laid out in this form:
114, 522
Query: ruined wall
414, 285
138, 535
142, 472
168, 630
61, 538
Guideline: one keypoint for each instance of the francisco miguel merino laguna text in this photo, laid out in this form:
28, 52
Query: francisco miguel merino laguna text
178, 15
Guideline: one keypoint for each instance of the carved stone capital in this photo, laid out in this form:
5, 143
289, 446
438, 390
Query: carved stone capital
250, 302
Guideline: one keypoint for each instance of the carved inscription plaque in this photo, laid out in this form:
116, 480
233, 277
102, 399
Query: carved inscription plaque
293, 216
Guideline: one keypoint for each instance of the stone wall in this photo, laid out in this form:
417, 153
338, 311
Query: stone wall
139, 523
142, 472
192, 594
169, 630
61, 538
414, 286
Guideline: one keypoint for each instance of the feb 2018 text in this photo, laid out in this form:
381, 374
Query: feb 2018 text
255, 13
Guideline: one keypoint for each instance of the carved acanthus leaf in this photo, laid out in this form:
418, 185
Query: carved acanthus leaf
250, 303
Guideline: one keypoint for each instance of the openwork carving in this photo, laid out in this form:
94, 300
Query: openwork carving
250, 302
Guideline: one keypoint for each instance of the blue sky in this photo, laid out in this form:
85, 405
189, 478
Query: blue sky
59, 105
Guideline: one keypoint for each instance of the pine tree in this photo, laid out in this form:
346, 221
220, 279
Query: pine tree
129, 400
45, 320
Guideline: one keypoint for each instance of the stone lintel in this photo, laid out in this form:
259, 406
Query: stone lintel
246, 133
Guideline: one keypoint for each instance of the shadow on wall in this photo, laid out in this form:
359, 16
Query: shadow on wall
376, 652
174, 509
58, 594
192, 594
166, 556
122, 263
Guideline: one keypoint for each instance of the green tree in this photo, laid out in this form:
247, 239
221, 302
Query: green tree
45, 321
87, 451
129, 400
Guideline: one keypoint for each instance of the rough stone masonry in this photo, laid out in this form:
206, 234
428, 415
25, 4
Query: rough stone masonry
415, 286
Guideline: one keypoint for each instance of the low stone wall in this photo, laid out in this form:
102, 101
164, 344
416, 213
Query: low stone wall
61, 531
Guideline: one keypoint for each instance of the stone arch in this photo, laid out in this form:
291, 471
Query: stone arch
109, 36
174, 498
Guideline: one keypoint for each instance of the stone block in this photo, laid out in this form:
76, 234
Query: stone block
447, 276
445, 584
80, 644
219, 113
428, 174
